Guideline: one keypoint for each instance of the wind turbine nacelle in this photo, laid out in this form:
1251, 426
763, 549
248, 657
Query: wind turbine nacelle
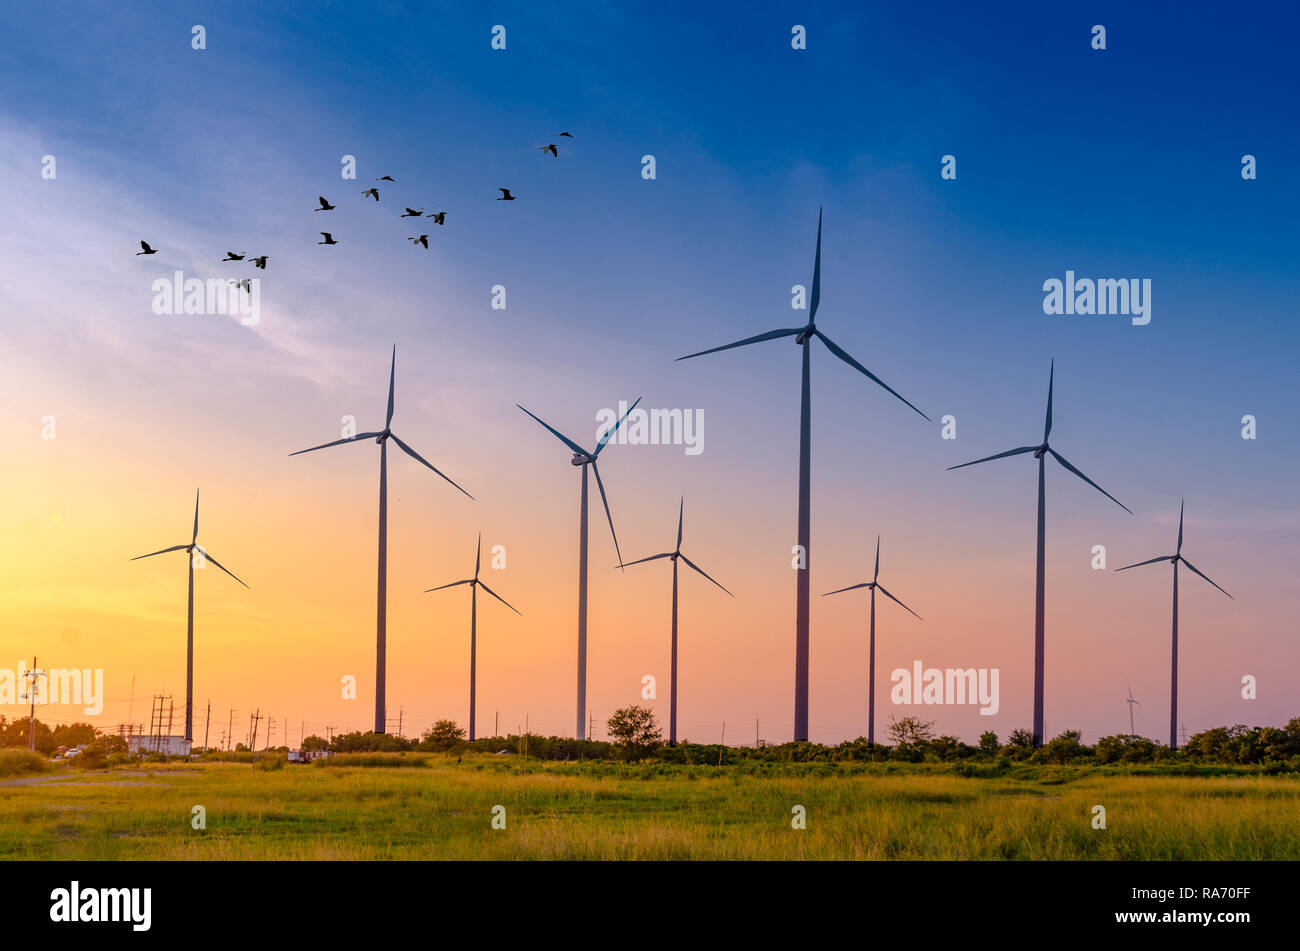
1038, 453
802, 338
579, 459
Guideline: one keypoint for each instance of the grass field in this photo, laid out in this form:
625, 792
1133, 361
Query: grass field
435, 808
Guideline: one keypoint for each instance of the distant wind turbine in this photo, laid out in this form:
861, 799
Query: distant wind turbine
381, 622
873, 584
1132, 732
1040, 453
675, 554
474, 584
1175, 559
803, 336
204, 557
582, 458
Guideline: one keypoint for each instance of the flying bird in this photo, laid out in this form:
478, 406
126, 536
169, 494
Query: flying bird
324, 205
244, 284
549, 148
371, 193
149, 250
422, 239
567, 135
259, 262
386, 178
329, 238
232, 256
505, 195
412, 213
439, 218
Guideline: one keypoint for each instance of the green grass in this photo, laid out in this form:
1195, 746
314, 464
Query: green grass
653, 811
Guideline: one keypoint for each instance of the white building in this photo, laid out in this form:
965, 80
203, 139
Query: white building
171, 745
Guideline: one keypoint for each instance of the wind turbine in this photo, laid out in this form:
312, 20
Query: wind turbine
1040, 453
473, 623
873, 584
1175, 559
582, 459
803, 337
674, 555
381, 619
1130, 701
203, 558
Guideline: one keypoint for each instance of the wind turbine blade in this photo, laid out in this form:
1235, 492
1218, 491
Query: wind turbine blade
419, 458
452, 585
195, 536
501, 599
900, 603
817, 272
604, 440
759, 338
338, 442
877, 574
1061, 459
835, 348
1149, 561
852, 587
1203, 575
681, 510
1001, 455
605, 501
392, 374
1180, 527
666, 554
559, 435
1047, 425
208, 557
161, 551
703, 572
478, 555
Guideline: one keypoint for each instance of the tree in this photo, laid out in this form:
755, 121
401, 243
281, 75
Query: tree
635, 732
910, 730
315, 742
443, 735
988, 742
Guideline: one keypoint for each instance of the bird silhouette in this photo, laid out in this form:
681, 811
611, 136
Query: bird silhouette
422, 239
412, 213
371, 193
244, 284
567, 135
324, 205
386, 178
232, 256
149, 250
505, 195
440, 218
329, 238
549, 148
259, 262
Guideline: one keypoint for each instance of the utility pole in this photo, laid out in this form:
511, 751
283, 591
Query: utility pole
207, 726
399, 720
256, 718
591, 723
270, 732
230, 729
329, 734
32, 676
722, 742
496, 727
755, 732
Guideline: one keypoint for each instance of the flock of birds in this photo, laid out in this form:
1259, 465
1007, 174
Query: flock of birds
439, 218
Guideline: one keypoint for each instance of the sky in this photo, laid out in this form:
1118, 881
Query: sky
1117, 163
